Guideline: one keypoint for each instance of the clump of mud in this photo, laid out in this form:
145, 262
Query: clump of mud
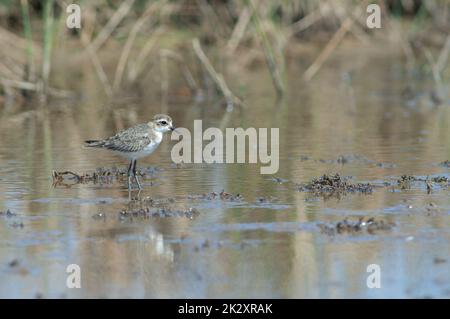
334, 185
100, 175
370, 226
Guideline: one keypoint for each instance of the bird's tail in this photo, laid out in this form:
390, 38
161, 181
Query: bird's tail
94, 143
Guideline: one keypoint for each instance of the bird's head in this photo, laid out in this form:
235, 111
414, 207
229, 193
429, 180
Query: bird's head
162, 123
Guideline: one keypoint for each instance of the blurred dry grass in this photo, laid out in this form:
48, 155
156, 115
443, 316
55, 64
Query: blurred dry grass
126, 43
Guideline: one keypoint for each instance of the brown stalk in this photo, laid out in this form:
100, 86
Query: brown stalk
217, 77
332, 44
130, 40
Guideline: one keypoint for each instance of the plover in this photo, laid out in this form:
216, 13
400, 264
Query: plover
136, 142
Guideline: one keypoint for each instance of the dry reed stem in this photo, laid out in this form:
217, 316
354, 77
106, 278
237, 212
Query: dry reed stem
187, 74
12, 40
164, 78
434, 68
443, 56
217, 78
239, 30
100, 71
48, 45
139, 63
220, 28
303, 24
332, 44
29, 86
113, 22
97, 66
274, 68
130, 40
355, 29
27, 33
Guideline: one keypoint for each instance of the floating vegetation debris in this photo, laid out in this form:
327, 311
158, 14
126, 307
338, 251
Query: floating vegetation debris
165, 212
440, 179
8, 213
14, 263
445, 164
370, 226
439, 260
99, 216
432, 209
334, 185
279, 180
101, 175
17, 225
264, 199
222, 196
345, 159
406, 181
352, 158
304, 158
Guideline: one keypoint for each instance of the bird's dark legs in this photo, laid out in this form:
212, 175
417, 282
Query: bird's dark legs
135, 176
130, 172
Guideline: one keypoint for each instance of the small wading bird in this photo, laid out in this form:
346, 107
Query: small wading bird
136, 142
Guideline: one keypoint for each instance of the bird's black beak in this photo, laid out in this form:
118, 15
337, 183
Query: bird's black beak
172, 128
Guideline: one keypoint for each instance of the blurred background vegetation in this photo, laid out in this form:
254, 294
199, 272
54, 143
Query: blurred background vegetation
137, 47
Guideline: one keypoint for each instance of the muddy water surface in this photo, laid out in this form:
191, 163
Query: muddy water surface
368, 118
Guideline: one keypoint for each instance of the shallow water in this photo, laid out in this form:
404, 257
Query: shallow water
244, 248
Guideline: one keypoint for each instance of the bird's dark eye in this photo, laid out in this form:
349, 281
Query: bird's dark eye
163, 122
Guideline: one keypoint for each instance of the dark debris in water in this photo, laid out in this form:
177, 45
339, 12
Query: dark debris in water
440, 179
354, 158
445, 164
406, 181
8, 213
334, 185
304, 158
222, 196
19, 225
279, 180
14, 263
166, 212
265, 199
16, 266
370, 226
99, 216
439, 260
100, 175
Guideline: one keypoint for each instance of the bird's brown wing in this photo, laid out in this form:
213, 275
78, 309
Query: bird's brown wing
134, 139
